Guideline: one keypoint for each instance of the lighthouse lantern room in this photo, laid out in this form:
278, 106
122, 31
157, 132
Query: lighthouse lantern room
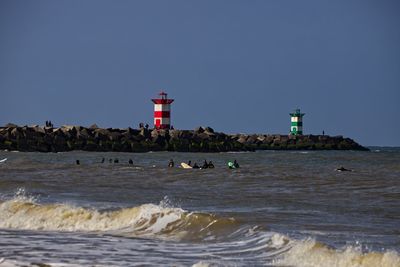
162, 111
296, 127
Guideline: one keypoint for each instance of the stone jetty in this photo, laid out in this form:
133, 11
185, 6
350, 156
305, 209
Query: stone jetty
93, 138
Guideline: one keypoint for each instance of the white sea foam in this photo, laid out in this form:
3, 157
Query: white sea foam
309, 253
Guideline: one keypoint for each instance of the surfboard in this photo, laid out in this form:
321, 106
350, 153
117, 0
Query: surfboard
185, 166
3, 160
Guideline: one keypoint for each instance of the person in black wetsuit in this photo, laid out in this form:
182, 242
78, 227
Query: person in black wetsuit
130, 161
235, 164
195, 166
171, 163
210, 165
205, 165
343, 169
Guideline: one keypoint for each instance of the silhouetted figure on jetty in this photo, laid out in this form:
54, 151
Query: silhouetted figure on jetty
49, 124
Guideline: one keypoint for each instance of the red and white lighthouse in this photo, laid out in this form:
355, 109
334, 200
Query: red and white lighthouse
162, 111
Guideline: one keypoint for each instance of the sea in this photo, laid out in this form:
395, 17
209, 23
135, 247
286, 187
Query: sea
280, 208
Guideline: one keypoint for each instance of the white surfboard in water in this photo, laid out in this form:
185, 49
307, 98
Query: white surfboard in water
3, 160
186, 166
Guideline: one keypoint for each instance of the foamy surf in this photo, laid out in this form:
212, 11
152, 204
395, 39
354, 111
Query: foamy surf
309, 253
148, 220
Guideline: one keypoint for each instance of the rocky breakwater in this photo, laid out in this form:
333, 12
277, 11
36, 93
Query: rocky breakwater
68, 138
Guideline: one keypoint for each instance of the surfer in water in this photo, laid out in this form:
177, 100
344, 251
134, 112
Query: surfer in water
210, 165
343, 169
205, 165
236, 164
195, 166
171, 163
233, 165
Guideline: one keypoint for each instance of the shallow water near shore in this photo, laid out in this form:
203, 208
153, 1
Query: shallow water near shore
281, 208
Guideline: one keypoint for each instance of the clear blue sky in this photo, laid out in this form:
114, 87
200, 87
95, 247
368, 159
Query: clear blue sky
237, 66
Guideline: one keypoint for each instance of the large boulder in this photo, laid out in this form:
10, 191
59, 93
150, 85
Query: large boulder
209, 130
16, 133
145, 132
199, 129
242, 138
202, 136
115, 136
38, 129
174, 134
261, 138
11, 125
154, 133
101, 134
252, 139
82, 134
185, 134
93, 126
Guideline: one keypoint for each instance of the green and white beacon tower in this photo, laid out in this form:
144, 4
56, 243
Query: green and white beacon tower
296, 126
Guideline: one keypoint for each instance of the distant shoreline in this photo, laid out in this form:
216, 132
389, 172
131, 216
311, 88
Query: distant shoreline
69, 138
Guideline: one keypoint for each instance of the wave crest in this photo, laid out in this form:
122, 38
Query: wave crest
142, 221
311, 253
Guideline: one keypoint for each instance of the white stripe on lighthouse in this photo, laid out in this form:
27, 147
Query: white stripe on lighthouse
162, 107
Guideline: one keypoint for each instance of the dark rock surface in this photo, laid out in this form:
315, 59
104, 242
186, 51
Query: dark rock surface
67, 138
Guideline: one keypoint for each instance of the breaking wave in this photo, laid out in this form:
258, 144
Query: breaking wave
146, 220
309, 253
230, 241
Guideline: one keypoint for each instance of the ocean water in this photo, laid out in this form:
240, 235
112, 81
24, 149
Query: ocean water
280, 208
